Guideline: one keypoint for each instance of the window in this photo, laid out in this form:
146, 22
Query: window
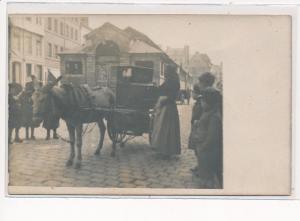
49, 50
28, 70
16, 72
56, 51
39, 47
49, 23
16, 42
28, 44
76, 34
73, 67
146, 64
28, 19
62, 28
37, 20
67, 30
56, 26
61, 49
72, 33
39, 72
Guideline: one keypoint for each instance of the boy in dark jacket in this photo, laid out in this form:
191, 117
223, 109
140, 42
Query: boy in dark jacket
209, 142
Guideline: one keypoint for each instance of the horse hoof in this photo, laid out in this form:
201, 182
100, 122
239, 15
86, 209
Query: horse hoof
77, 165
69, 163
97, 153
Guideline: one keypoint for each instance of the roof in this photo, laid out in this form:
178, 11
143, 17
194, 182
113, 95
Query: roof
137, 46
136, 35
106, 25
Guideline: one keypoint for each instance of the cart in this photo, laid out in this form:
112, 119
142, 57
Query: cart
136, 95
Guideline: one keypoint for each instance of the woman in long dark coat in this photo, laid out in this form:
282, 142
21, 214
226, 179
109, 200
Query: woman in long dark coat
14, 112
27, 111
51, 122
166, 129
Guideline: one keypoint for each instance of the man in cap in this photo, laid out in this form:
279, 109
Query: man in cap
51, 122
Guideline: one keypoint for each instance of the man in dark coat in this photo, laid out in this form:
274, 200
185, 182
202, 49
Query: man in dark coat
14, 111
27, 110
51, 122
204, 81
209, 141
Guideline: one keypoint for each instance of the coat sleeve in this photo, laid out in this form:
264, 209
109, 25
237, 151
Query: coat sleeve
214, 134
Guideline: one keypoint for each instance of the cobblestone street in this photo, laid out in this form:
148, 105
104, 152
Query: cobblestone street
42, 163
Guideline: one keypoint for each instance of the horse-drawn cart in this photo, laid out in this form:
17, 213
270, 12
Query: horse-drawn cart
136, 96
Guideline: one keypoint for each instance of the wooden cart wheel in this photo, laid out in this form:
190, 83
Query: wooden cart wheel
114, 135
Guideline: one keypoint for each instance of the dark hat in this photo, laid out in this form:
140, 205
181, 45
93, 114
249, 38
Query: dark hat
207, 78
211, 96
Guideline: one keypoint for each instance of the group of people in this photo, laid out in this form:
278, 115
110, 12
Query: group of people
206, 127
20, 106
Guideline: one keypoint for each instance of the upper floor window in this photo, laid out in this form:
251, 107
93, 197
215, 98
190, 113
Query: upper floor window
76, 34
67, 30
49, 50
62, 28
28, 19
56, 51
39, 47
49, 23
28, 44
56, 25
72, 33
16, 42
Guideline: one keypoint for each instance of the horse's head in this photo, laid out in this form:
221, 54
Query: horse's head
42, 102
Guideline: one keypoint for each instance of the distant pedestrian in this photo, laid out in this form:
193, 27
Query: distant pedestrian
166, 129
208, 140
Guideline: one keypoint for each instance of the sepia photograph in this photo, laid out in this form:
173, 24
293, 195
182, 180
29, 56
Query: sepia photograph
128, 102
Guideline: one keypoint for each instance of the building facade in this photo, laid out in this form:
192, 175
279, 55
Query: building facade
26, 52
35, 41
109, 46
180, 56
61, 33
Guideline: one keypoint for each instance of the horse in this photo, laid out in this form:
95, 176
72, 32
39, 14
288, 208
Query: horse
67, 102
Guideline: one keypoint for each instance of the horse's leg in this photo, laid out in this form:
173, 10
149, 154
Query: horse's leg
71, 131
102, 130
78, 145
113, 152
32, 133
27, 132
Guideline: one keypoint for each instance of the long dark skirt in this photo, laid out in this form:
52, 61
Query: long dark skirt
51, 122
166, 129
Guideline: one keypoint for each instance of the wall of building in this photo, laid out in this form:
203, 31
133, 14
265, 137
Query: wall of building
26, 54
60, 34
